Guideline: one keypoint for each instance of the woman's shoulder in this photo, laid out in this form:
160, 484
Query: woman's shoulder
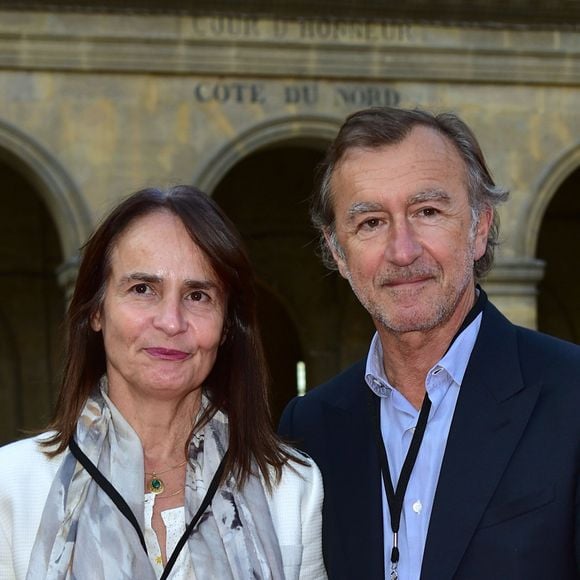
300, 465
29, 473
300, 477
296, 510
28, 455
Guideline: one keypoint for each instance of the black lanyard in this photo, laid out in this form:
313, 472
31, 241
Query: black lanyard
124, 508
395, 497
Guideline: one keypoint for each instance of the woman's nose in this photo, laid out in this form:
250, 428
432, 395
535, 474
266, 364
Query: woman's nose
170, 317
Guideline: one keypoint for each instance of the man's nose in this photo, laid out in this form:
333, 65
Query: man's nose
402, 246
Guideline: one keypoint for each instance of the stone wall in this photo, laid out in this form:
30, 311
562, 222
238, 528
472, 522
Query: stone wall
95, 106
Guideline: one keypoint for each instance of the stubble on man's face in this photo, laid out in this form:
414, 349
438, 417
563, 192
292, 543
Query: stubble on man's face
406, 235
441, 308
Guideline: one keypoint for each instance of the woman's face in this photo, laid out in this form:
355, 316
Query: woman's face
162, 316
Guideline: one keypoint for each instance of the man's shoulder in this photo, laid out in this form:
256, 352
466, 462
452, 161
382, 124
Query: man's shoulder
342, 393
548, 353
533, 342
541, 359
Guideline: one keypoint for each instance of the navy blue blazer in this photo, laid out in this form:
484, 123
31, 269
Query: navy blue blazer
507, 504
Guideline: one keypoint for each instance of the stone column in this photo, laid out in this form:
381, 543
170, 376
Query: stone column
512, 287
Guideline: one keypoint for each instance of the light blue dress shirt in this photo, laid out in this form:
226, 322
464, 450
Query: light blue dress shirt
398, 421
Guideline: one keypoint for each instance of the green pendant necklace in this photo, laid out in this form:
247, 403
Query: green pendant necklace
155, 484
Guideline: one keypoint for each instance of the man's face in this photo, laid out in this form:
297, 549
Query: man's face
406, 236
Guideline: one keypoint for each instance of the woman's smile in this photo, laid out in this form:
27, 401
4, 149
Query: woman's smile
167, 353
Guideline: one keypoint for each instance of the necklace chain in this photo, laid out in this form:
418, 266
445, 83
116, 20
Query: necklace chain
155, 473
172, 494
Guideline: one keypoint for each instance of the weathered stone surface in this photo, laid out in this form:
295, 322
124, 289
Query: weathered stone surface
94, 106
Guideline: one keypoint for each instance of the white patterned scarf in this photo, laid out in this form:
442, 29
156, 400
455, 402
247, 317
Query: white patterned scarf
83, 535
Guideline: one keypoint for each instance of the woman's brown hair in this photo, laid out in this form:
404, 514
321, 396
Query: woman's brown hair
238, 382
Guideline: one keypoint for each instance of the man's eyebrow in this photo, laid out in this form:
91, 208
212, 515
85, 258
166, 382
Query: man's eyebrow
429, 195
361, 207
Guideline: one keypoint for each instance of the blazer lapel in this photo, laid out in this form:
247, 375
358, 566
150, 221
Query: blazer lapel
353, 480
491, 413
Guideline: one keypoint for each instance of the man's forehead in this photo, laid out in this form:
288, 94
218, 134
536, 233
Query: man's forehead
426, 153
418, 134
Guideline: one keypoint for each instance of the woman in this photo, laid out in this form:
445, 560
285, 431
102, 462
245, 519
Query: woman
162, 412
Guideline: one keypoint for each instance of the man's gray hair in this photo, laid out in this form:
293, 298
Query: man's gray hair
379, 126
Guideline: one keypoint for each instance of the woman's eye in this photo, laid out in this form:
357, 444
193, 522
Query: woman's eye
198, 296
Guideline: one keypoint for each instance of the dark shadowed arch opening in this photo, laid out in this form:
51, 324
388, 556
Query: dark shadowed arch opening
32, 307
282, 346
307, 313
558, 246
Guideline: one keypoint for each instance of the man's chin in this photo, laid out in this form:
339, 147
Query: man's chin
411, 319
406, 327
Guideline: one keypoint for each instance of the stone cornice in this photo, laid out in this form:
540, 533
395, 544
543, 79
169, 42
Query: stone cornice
503, 13
320, 49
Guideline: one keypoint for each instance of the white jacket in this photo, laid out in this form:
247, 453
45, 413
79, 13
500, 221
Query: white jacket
27, 475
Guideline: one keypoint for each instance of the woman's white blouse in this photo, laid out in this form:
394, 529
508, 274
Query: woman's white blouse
295, 506
174, 520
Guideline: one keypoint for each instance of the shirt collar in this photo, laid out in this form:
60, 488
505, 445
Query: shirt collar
454, 361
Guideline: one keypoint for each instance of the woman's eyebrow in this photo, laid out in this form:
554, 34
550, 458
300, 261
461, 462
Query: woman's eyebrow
156, 279
141, 277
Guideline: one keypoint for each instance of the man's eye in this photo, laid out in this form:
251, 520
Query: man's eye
140, 289
428, 211
371, 223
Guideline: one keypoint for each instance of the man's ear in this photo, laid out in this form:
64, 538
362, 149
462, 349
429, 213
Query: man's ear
337, 254
481, 234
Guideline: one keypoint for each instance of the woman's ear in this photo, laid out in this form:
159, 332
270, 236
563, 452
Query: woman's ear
96, 321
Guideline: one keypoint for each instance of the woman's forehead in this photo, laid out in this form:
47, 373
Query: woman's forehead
159, 243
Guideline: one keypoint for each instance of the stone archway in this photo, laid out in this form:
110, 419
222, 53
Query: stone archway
57, 190
266, 195
282, 346
316, 131
43, 223
10, 380
558, 244
32, 306
548, 185
551, 240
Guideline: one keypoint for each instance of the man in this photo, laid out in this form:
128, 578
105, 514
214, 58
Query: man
453, 449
